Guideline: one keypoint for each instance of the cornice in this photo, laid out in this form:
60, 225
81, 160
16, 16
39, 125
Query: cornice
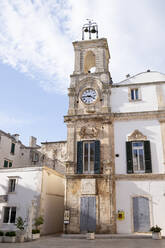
146, 115
145, 176
103, 117
137, 84
88, 176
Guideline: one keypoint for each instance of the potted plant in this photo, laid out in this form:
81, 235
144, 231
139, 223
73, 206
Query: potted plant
156, 232
20, 224
1, 236
10, 237
37, 223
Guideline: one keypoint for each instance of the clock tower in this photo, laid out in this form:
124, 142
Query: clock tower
90, 183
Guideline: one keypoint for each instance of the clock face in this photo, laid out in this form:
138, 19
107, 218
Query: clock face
89, 96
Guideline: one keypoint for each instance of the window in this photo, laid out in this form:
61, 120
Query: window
88, 157
7, 163
9, 215
12, 148
12, 184
134, 94
138, 157
35, 157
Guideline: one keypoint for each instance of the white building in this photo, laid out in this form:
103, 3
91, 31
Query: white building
30, 183
139, 131
30, 192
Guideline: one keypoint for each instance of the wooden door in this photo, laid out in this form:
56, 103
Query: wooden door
141, 214
88, 214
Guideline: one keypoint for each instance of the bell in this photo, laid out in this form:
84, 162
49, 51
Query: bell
86, 30
93, 30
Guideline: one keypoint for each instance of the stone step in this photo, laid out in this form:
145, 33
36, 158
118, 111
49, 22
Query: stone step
109, 236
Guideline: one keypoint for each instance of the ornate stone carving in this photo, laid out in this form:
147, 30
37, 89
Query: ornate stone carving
88, 186
136, 135
86, 132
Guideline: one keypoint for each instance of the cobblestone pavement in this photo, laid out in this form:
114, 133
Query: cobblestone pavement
59, 242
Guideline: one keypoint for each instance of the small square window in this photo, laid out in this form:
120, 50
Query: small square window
12, 184
135, 94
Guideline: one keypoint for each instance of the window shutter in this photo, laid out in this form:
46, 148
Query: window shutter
129, 157
12, 148
97, 157
5, 163
147, 157
79, 157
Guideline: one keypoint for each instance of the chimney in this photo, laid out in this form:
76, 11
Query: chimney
32, 141
16, 136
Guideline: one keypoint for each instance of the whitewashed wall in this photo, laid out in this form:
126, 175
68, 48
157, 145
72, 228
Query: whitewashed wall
120, 101
151, 129
154, 190
28, 188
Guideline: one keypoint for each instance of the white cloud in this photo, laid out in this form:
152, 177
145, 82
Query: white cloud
36, 36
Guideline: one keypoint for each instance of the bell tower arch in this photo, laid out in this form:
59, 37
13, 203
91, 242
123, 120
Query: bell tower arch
89, 62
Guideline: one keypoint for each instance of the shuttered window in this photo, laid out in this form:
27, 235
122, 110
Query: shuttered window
12, 148
5, 163
79, 157
138, 157
147, 152
88, 157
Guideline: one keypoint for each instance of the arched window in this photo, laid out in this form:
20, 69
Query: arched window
89, 62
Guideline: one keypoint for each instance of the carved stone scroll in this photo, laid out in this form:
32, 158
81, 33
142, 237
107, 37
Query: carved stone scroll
86, 132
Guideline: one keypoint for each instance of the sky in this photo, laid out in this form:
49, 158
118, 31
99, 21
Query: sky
37, 58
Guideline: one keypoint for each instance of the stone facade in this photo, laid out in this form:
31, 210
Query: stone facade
50, 154
91, 122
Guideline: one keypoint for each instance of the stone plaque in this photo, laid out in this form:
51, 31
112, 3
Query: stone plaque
88, 186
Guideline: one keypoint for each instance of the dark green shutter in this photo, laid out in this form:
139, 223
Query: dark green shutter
129, 157
5, 163
10, 164
147, 157
12, 148
97, 157
79, 157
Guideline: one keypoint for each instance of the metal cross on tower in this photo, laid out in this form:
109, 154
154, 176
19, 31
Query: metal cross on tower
91, 28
